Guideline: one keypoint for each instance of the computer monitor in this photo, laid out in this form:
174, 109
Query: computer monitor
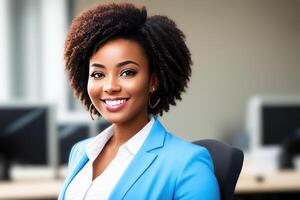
101, 125
70, 131
27, 136
74, 127
271, 120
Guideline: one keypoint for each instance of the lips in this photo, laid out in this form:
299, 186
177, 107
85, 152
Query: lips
114, 104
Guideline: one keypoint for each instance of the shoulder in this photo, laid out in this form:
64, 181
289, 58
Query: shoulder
77, 151
195, 170
187, 150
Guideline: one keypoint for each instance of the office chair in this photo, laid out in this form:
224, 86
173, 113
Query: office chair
228, 162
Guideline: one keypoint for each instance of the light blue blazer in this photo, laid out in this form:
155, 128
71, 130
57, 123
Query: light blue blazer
165, 168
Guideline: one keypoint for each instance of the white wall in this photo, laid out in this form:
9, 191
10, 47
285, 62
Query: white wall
239, 48
54, 29
32, 36
4, 50
31, 39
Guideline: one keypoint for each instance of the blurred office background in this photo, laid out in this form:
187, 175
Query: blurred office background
240, 48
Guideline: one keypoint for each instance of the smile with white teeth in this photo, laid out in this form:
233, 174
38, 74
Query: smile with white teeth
115, 102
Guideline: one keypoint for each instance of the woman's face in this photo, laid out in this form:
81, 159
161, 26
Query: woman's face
119, 81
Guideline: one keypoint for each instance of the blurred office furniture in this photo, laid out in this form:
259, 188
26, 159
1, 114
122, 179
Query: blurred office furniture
271, 119
251, 185
71, 131
290, 149
272, 124
4, 167
27, 137
101, 125
228, 162
42, 189
254, 184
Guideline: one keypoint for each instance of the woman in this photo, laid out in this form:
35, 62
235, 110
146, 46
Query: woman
127, 68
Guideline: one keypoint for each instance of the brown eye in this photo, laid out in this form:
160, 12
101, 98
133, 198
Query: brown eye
129, 73
97, 75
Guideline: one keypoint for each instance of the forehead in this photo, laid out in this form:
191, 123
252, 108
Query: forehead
118, 50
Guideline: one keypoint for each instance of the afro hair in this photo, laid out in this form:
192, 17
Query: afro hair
163, 42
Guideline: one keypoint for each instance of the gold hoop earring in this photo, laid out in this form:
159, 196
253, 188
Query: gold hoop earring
149, 102
90, 111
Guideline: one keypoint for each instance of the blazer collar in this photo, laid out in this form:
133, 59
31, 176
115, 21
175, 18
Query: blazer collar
80, 164
141, 162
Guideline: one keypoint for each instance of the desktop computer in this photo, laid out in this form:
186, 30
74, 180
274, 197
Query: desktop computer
27, 137
70, 131
271, 120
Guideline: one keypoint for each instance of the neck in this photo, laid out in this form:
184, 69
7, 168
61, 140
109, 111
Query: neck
123, 132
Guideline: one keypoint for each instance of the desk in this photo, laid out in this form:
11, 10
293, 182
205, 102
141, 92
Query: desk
285, 181
30, 189
253, 181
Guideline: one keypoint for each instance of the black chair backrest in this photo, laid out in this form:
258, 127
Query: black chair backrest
228, 162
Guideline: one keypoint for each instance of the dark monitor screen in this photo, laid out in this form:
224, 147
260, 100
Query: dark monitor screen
23, 134
69, 134
102, 124
279, 122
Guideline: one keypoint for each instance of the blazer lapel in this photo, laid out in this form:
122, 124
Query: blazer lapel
141, 162
84, 159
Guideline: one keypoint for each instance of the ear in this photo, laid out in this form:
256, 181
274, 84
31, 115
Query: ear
154, 82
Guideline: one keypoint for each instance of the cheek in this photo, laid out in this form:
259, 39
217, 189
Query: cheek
138, 89
92, 89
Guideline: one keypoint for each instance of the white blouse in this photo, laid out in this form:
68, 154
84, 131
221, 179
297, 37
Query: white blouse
83, 187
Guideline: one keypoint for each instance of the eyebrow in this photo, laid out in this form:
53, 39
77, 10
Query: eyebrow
118, 65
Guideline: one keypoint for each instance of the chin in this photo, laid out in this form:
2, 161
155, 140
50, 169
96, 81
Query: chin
117, 119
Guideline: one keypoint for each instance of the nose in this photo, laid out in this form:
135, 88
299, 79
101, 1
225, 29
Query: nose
111, 85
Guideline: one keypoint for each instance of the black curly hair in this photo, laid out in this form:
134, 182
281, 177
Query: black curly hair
163, 43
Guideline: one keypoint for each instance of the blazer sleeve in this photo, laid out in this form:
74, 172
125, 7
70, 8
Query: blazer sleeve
197, 179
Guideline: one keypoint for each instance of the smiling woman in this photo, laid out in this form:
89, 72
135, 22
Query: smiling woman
128, 68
